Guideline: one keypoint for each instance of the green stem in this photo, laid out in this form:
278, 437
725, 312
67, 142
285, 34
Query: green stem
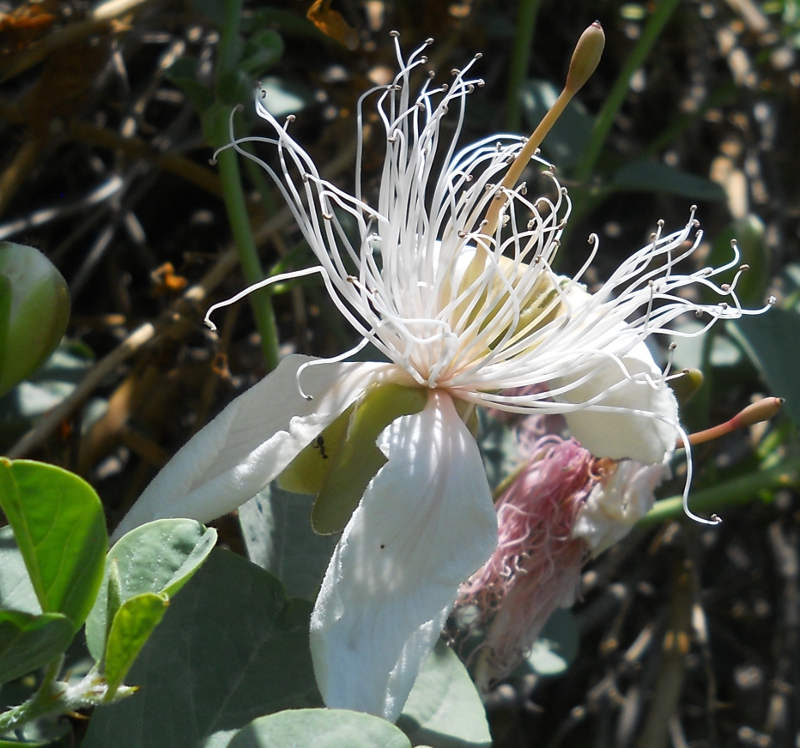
526, 24
737, 491
56, 697
235, 203
618, 93
260, 301
40, 703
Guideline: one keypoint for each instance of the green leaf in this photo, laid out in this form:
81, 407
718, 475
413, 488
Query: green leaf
27, 641
59, 526
320, 728
652, 176
230, 648
444, 709
159, 557
234, 87
262, 50
133, 623
279, 538
34, 311
771, 340
16, 590
183, 73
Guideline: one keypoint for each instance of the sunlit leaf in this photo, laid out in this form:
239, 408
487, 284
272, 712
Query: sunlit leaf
59, 526
133, 624
230, 648
34, 311
159, 557
444, 709
320, 728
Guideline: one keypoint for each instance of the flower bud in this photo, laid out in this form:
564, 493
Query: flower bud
586, 57
34, 311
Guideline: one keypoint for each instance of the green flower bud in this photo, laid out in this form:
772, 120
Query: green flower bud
586, 57
34, 311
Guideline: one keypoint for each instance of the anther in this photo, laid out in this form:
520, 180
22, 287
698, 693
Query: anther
462, 234
395, 34
660, 223
212, 162
429, 41
726, 287
478, 55
480, 82
257, 84
423, 59
455, 71
772, 300
291, 118
328, 216
693, 209
744, 268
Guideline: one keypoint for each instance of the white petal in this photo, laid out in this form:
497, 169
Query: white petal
253, 440
616, 504
425, 523
622, 434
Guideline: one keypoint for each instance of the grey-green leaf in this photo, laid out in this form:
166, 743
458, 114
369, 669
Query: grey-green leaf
159, 557
278, 535
230, 648
444, 709
320, 728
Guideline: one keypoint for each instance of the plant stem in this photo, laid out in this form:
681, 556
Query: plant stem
737, 491
40, 703
235, 202
248, 255
607, 115
523, 41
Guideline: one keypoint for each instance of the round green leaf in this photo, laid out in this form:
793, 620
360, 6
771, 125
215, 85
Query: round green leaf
159, 557
321, 728
34, 311
230, 648
28, 641
59, 526
133, 623
444, 708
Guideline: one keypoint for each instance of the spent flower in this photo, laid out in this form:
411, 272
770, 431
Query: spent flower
449, 276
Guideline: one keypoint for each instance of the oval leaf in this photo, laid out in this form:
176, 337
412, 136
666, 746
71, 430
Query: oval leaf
321, 728
133, 623
159, 557
230, 648
27, 641
59, 526
34, 311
